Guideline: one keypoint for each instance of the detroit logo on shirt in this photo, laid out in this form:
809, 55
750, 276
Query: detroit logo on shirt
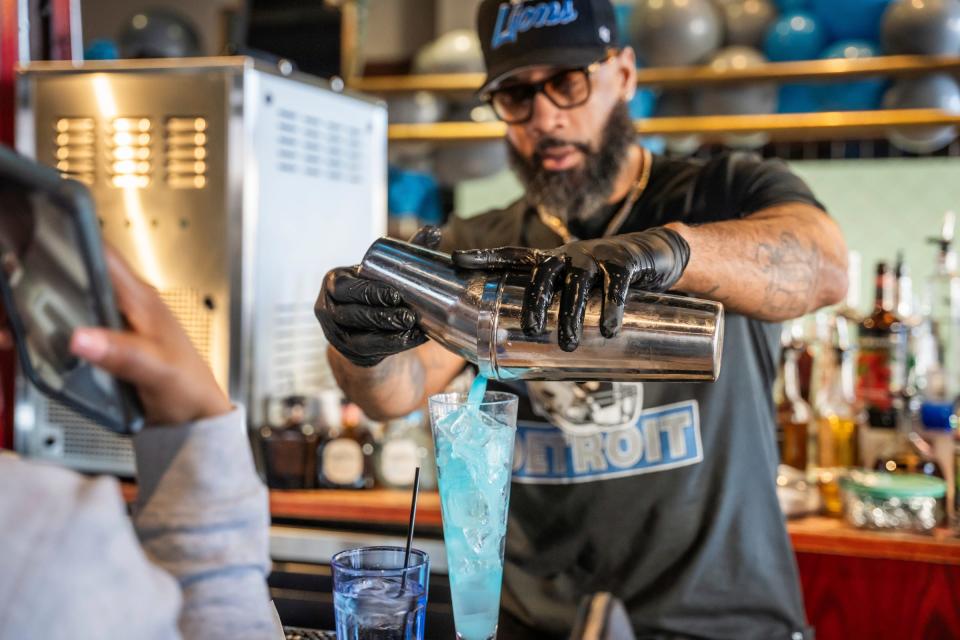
661, 438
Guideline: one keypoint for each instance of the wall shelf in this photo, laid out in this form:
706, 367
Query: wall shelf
673, 77
792, 126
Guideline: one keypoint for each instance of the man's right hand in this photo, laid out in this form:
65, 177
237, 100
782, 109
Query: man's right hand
366, 321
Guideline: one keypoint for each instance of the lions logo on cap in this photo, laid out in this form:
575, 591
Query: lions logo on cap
514, 18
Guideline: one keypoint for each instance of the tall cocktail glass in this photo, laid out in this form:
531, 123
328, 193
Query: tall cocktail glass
474, 446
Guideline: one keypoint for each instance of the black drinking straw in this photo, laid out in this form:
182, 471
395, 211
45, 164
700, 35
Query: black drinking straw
413, 517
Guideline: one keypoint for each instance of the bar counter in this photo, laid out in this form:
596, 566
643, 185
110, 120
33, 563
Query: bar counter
856, 584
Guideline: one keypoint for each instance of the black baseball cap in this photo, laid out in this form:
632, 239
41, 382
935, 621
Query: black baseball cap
516, 34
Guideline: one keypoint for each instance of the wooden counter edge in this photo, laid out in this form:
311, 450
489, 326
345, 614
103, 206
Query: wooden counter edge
813, 534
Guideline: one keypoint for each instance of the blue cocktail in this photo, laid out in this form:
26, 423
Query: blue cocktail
474, 447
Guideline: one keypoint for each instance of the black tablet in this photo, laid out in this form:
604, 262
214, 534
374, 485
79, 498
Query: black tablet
54, 279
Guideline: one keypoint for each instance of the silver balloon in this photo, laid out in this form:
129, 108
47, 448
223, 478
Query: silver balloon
746, 21
922, 27
159, 33
415, 108
737, 99
420, 107
454, 163
760, 97
677, 103
935, 91
675, 32
456, 51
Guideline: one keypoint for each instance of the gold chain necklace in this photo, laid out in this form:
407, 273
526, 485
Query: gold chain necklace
557, 225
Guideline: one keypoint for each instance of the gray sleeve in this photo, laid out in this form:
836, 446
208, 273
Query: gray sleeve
203, 515
72, 566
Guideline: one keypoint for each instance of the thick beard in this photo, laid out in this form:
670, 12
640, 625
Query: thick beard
577, 194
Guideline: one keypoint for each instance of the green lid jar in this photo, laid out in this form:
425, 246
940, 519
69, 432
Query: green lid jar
889, 501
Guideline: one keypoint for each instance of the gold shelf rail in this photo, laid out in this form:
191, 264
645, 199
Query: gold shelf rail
790, 126
673, 77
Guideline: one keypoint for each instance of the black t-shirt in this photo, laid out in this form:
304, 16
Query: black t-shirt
669, 501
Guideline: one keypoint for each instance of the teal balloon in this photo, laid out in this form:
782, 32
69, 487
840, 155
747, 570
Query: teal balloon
101, 49
643, 104
794, 36
860, 95
851, 19
644, 101
797, 98
622, 13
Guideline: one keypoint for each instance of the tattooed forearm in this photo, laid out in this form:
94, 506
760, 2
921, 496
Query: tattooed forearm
397, 382
792, 273
774, 265
398, 385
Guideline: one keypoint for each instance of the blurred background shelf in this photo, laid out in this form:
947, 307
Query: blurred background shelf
791, 126
696, 76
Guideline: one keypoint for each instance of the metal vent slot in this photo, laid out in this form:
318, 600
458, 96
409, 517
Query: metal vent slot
196, 319
319, 148
287, 132
298, 350
75, 148
129, 152
185, 144
83, 438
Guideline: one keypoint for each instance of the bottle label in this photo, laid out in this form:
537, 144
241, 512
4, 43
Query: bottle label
880, 371
398, 462
342, 462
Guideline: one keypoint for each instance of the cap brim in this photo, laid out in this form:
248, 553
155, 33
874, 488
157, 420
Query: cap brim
558, 57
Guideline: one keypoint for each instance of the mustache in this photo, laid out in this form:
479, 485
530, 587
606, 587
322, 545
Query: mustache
545, 144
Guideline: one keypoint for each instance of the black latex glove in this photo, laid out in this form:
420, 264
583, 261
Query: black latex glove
651, 260
366, 320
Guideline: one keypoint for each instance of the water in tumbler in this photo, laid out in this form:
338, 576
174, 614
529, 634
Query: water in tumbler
374, 609
474, 459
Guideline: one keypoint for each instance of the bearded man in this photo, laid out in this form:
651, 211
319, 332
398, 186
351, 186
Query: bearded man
671, 506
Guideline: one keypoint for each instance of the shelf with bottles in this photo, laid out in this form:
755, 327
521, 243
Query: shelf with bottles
321, 441
875, 392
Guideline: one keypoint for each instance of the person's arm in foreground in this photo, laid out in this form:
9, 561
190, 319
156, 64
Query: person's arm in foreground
199, 567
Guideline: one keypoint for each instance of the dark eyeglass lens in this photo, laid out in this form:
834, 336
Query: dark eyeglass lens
568, 89
513, 103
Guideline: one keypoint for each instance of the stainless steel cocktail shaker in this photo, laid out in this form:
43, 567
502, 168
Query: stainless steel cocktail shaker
477, 315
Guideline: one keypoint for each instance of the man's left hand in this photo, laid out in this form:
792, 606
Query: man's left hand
652, 260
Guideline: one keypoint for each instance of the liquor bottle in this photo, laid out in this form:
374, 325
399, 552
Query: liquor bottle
406, 445
793, 412
941, 312
289, 443
881, 367
909, 453
345, 460
836, 414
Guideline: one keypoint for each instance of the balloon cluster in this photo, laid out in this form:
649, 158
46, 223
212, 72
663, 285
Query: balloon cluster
737, 34
456, 51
